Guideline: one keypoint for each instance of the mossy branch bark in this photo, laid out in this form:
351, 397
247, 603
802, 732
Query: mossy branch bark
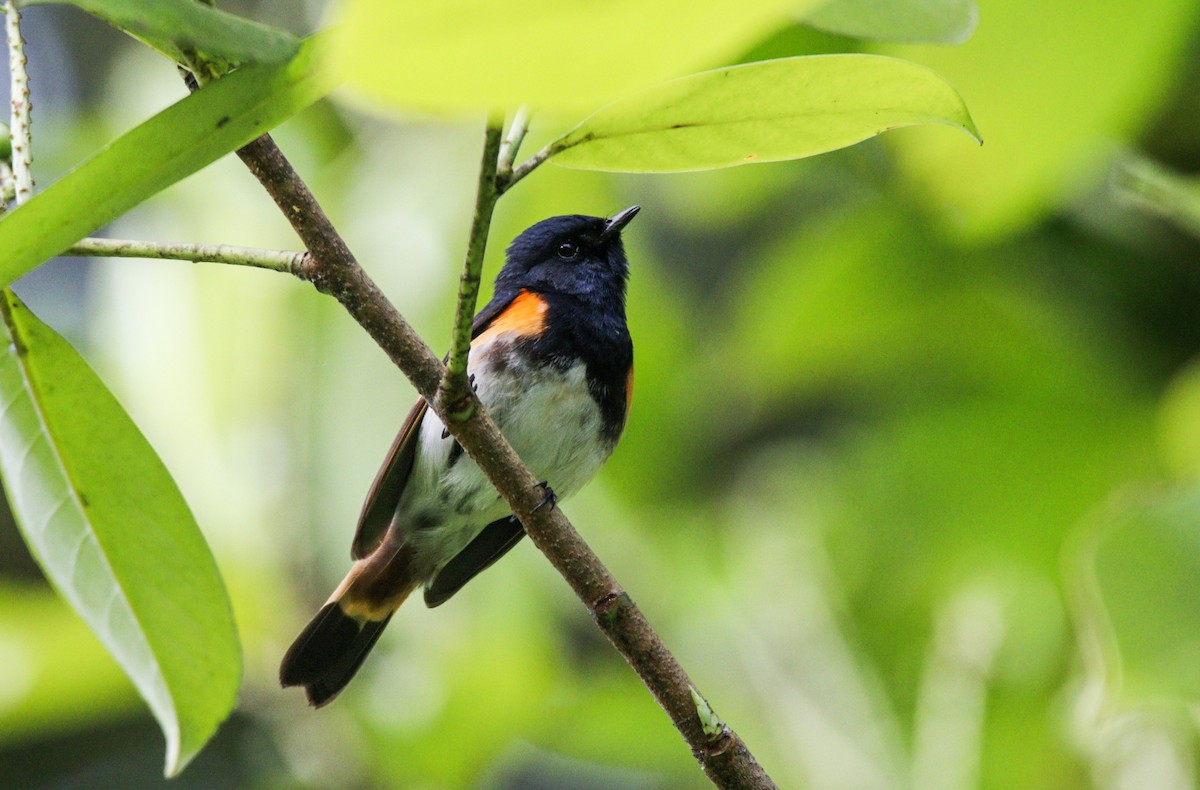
455, 396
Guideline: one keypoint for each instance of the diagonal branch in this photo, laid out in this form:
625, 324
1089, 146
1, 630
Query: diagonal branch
332, 269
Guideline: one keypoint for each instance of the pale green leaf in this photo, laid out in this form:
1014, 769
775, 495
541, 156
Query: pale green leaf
935, 21
467, 54
106, 522
183, 28
761, 112
177, 142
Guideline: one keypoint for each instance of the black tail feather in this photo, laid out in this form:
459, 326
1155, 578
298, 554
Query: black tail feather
328, 652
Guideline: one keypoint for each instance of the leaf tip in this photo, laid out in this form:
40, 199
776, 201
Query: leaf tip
968, 126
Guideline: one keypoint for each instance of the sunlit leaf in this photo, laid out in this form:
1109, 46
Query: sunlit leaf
469, 54
761, 112
104, 519
179, 28
937, 21
1143, 564
177, 142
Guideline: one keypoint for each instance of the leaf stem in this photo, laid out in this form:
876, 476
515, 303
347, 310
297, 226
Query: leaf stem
277, 260
19, 128
455, 389
530, 164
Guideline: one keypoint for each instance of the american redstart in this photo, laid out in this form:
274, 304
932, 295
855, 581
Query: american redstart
552, 361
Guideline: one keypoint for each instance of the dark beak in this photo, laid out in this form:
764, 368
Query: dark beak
618, 222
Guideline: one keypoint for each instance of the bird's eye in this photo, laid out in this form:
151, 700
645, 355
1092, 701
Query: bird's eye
568, 251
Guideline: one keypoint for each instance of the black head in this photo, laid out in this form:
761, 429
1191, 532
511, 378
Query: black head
575, 255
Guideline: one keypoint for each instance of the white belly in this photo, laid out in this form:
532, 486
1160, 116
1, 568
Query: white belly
551, 421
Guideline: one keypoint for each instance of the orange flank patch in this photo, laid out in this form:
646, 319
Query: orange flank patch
525, 316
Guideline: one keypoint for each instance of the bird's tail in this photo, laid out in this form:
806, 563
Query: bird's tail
335, 643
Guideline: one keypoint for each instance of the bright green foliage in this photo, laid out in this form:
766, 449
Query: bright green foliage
858, 493
937, 21
111, 530
170, 146
184, 29
467, 54
761, 112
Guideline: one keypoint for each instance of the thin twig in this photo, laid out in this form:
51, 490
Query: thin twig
277, 260
512, 143
19, 128
528, 166
454, 388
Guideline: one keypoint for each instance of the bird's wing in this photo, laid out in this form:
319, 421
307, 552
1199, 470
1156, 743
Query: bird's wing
485, 548
384, 497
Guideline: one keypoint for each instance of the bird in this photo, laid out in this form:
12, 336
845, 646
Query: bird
551, 359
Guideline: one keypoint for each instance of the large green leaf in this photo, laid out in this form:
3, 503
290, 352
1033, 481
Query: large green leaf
177, 142
938, 21
184, 28
466, 54
105, 521
761, 112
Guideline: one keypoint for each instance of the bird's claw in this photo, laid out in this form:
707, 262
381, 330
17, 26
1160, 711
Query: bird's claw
548, 498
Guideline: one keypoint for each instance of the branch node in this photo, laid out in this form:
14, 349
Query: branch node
714, 729
608, 607
721, 744
459, 408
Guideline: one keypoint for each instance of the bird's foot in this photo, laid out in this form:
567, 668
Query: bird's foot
548, 498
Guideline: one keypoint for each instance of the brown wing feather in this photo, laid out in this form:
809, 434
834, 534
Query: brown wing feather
384, 496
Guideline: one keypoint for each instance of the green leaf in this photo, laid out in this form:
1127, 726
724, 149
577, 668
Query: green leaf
761, 112
177, 142
104, 519
182, 28
934, 21
466, 54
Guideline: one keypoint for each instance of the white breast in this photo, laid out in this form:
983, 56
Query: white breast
549, 418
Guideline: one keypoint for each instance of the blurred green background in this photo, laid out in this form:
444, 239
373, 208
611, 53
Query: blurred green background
912, 481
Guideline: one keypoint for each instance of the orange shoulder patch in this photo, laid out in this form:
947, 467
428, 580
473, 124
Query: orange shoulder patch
525, 316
